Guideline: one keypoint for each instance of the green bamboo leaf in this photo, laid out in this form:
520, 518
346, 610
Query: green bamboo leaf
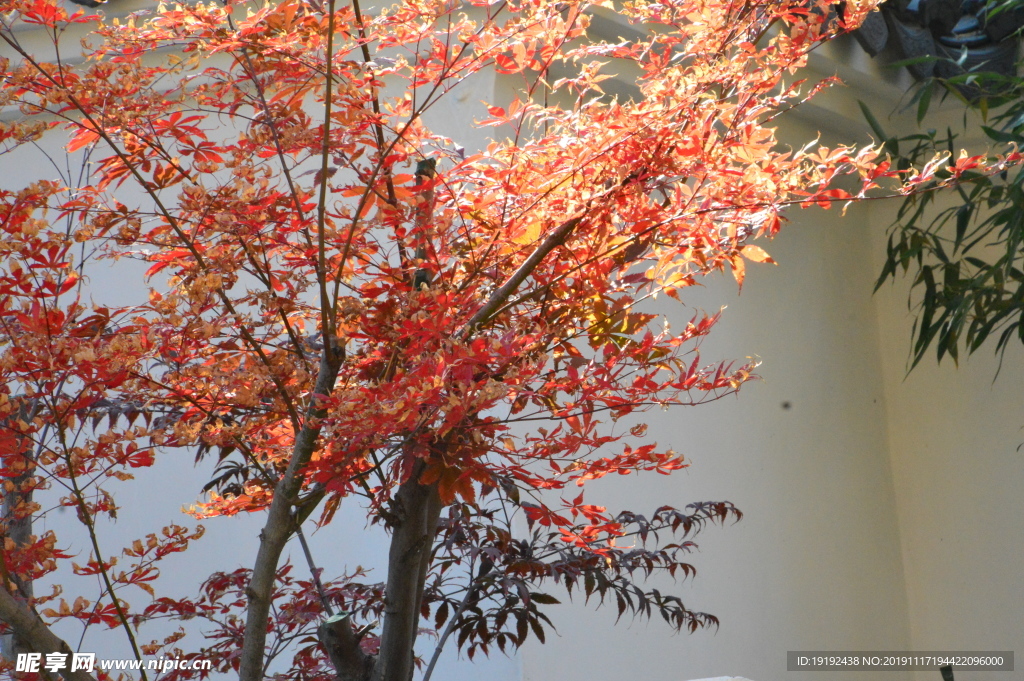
872, 121
924, 101
963, 218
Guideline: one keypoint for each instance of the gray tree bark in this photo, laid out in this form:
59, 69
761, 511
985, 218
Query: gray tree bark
415, 509
280, 524
35, 635
18, 530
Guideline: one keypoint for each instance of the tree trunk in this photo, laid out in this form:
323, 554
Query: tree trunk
341, 642
19, 530
36, 636
280, 523
417, 507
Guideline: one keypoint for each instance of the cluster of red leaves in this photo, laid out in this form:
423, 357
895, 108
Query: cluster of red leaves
294, 642
275, 201
500, 606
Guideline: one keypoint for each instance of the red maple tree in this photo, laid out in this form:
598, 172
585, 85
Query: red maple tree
343, 303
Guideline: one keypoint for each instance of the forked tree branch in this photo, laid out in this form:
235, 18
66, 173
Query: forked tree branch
35, 634
279, 526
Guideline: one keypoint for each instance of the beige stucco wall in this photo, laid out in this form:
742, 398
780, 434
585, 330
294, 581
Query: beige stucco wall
884, 511
815, 563
958, 473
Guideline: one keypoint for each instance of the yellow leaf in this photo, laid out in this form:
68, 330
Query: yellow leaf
756, 254
739, 270
529, 235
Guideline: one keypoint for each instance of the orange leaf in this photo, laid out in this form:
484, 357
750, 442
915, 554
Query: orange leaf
756, 254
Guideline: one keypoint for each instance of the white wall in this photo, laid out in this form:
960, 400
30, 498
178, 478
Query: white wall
883, 510
958, 471
815, 564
